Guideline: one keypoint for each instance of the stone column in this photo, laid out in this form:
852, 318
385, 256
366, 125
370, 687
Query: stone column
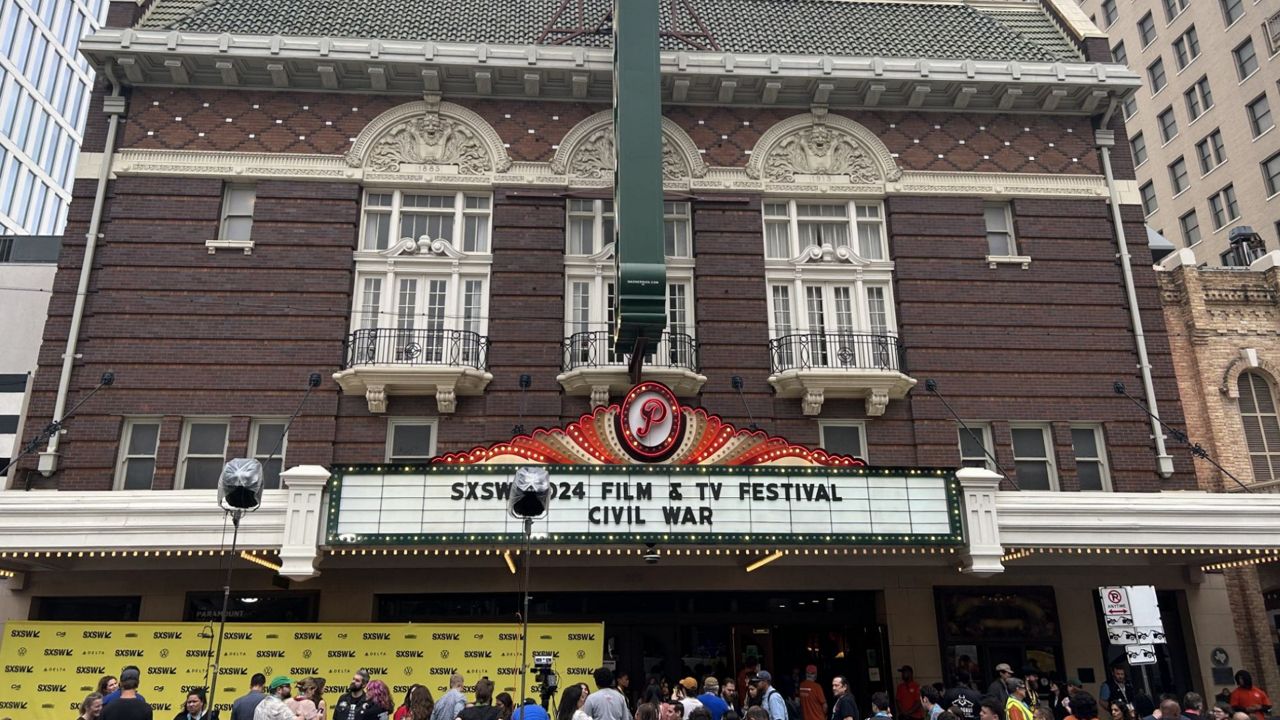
978, 489
302, 521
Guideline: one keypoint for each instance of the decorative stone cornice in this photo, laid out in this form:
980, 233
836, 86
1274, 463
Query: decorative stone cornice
406, 67
266, 166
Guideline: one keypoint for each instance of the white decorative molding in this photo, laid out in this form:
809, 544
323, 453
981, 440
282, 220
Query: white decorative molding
821, 144
445, 382
586, 152
129, 520
299, 552
266, 166
1059, 185
599, 383
1204, 520
426, 135
815, 385
979, 488
137, 57
996, 260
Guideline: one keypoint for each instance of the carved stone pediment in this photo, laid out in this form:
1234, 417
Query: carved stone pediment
422, 247
587, 151
820, 144
429, 134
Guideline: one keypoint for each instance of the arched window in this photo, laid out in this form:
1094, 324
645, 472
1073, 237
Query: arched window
1261, 425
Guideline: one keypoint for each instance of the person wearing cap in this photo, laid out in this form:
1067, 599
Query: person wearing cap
687, 694
129, 705
273, 706
1031, 676
813, 701
245, 705
998, 688
908, 695
770, 699
710, 698
1015, 706
112, 695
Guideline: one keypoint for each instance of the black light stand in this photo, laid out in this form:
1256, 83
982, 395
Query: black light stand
736, 382
236, 510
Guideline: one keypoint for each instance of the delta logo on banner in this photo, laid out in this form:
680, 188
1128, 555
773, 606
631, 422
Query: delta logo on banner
47, 669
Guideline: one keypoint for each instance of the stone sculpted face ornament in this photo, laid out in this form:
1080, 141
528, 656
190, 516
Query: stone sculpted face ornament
429, 139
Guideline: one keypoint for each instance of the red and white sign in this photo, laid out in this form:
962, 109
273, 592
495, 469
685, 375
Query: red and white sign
1115, 601
651, 421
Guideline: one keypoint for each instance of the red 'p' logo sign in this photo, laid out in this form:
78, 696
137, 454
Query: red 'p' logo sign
649, 422
652, 412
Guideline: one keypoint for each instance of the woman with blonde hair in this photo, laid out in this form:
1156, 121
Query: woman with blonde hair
303, 702
91, 708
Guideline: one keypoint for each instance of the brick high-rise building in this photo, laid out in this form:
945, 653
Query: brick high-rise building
905, 266
1202, 128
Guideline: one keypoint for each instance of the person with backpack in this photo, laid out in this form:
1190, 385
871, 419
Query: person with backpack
778, 707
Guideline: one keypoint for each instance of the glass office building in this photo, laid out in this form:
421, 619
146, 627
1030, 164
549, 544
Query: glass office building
44, 96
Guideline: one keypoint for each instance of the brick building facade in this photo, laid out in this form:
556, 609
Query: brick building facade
1223, 332
847, 218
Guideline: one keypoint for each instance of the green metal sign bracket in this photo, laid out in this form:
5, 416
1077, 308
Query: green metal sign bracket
637, 182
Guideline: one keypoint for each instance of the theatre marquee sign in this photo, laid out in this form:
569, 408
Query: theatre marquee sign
624, 504
648, 470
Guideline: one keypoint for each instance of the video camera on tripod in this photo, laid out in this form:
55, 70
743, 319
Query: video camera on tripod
545, 676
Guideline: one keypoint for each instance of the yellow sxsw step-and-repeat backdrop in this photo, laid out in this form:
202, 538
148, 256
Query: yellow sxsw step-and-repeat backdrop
47, 668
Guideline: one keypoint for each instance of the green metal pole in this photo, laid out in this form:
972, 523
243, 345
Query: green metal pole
637, 183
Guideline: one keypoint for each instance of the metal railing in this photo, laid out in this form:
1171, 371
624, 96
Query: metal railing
595, 349
395, 346
838, 351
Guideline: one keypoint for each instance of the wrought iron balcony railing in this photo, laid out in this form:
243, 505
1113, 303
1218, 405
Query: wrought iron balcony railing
593, 349
395, 346
835, 351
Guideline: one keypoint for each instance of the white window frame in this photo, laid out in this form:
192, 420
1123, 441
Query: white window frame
1051, 460
1104, 465
816, 269
598, 270
123, 456
452, 265
872, 215
393, 423
1182, 186
1014, 257
180, 479
862, 435
460, 212
1255, 127
1186, 48
1217, 151
225, 214
255, 427
983, 431
598, 213
1182, 225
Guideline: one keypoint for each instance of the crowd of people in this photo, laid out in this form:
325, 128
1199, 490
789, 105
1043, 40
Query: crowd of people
1028, 695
